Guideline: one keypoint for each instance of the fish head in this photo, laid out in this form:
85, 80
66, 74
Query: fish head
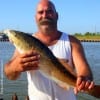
18, 39
11, 35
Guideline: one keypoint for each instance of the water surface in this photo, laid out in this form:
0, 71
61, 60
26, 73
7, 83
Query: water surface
92, 51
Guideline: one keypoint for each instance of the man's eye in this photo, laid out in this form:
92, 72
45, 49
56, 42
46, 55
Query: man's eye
40, 12
50, 11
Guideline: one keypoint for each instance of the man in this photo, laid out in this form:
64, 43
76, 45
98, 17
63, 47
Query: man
63, 46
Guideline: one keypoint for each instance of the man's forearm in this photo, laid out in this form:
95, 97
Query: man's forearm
10, 73
86, 73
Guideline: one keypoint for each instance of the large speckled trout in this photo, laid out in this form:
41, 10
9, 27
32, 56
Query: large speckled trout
49, 65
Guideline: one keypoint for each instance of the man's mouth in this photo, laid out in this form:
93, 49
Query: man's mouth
46, 22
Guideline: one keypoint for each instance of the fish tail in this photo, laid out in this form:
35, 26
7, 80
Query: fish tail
95, 91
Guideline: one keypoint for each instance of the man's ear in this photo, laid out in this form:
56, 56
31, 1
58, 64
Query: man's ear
35, 18
57, 15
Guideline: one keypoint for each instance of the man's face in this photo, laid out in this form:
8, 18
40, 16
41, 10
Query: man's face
46, 17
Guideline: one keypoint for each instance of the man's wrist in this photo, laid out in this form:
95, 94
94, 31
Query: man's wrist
86, 78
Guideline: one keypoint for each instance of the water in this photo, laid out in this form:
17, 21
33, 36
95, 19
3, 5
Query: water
92, 51
10, 87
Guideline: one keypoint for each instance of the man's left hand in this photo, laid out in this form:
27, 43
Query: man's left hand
83, 84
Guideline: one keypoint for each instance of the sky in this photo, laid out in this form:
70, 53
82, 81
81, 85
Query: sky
75, 16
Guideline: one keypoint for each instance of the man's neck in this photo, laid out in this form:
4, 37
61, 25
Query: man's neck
48, 39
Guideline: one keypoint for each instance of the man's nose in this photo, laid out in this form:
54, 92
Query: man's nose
45, 14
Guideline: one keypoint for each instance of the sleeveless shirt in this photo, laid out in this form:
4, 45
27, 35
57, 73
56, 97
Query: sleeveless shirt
42, 88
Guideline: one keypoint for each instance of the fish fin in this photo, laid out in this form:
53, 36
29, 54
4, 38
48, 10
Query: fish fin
64, 62
63, 85
95, 91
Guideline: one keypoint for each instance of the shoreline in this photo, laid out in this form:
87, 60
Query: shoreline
89, 40
82, 40
4, 40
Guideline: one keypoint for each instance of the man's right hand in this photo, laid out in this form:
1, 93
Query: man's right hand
21, 63
26, 61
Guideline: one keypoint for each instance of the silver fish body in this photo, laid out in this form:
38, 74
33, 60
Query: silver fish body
49, 64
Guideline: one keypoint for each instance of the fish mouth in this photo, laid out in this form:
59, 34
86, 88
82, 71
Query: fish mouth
7, 33
11, 41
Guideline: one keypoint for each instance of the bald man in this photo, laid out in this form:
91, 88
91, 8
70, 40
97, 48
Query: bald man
63, 46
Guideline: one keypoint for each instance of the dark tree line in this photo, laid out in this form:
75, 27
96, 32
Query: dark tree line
88, 34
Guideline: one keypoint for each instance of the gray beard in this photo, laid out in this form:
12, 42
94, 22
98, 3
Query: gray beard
47, 30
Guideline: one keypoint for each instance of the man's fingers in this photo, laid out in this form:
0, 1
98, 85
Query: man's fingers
87, 84
29, 53
29, 66
79, 80
30, 59
81, 86
91, 85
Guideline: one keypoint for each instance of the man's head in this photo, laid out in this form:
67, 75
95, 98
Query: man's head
46, 16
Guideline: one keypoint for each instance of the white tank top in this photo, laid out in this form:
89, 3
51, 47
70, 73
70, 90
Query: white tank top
40, 87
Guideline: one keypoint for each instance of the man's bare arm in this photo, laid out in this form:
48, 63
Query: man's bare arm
9, 69
84, 73
21, 63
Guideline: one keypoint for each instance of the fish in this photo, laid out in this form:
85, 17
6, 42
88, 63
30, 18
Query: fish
50, 66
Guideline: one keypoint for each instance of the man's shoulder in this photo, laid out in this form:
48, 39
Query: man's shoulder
73, 38
74, 41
